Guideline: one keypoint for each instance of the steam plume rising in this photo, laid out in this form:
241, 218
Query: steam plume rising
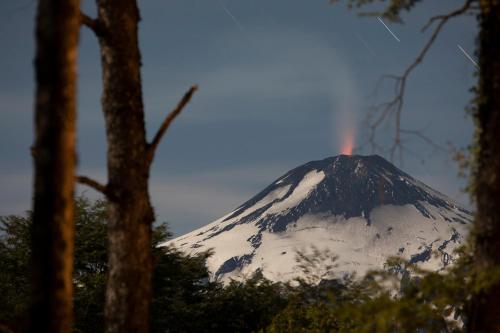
347, 142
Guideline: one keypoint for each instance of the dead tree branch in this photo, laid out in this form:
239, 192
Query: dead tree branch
92, 24
93, 184
420, 134
392, 110
168, 121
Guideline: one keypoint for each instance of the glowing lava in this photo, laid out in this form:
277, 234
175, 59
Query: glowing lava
347, 143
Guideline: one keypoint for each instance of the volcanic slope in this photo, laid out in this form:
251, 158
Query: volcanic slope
361, 209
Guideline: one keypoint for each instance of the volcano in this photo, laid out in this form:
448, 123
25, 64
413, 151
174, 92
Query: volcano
361, 209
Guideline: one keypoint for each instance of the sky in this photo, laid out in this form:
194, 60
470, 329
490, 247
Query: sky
282, 82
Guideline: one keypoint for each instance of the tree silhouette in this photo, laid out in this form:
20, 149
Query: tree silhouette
129, 159
57, 31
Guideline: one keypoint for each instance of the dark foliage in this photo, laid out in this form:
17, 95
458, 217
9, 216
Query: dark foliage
392, 11
402, 298
14, 271
184, 299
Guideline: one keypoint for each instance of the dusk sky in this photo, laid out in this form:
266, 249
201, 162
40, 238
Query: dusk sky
282, 82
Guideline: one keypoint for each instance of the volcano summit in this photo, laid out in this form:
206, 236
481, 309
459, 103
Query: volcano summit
360, 208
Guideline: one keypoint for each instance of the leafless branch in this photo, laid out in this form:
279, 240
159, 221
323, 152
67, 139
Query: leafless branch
93, 184
468, 5
425, 138
392, 110
169, 119
92, 24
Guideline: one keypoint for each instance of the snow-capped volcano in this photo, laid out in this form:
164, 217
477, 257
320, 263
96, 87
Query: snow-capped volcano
360, 208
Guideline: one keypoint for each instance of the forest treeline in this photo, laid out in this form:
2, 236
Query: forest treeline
187, 299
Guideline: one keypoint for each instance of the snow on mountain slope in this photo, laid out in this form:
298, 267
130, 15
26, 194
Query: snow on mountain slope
361, 208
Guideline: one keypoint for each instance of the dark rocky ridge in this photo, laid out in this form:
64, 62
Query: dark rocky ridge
353, 186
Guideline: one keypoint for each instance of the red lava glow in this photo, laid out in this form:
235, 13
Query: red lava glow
347, 143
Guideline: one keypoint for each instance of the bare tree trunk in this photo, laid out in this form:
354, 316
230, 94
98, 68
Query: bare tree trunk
485, 316
57, 30
128, 292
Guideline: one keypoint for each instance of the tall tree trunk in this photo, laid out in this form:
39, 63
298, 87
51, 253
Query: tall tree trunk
57, 30
128, 291
485, 316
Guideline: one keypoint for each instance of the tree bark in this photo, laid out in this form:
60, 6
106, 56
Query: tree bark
128, 293
57, 30
486, 306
